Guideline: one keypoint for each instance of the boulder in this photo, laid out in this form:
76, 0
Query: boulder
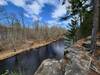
74, 69
50, 67
79, 62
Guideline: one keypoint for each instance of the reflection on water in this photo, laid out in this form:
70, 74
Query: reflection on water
27, 63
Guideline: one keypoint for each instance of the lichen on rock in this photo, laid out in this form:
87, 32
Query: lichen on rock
50, 67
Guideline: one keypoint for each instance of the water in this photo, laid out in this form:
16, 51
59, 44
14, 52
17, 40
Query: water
27, 63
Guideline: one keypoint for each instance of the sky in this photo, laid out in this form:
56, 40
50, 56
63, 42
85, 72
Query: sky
44, 11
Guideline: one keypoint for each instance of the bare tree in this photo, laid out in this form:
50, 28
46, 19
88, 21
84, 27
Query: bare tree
23, 27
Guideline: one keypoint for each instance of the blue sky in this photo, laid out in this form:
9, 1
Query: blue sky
45, 11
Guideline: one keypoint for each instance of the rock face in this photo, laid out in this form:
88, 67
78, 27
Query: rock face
50, 67
77, 65
79, 62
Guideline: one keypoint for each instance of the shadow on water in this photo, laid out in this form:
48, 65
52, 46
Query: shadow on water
27, 63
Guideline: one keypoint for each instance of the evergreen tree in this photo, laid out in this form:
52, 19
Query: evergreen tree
80, 7
71, 36
86, 25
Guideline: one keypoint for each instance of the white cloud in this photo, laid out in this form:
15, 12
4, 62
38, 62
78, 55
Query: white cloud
57, 23
3, 2
34, 8
27, 15
52, 22
19, 3
52, 2
60, 9
35, 18
41, 2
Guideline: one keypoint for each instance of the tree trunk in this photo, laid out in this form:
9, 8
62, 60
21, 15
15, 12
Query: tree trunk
99, 17
95, 25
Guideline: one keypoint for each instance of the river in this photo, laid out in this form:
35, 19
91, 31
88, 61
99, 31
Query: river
26, 63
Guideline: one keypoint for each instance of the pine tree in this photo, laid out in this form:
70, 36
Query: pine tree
71, 36
86, 25
79, 7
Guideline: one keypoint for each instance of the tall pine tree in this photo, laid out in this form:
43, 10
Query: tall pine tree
84, 10
71, 36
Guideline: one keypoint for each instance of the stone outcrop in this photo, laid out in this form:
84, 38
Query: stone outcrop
76, 64
50, 67
79, 62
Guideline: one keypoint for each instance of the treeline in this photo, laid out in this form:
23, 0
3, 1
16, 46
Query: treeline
15, 36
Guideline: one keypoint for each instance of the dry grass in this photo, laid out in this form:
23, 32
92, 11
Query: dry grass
25, 47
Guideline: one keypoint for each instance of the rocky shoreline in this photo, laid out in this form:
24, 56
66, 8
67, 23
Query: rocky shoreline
76, 61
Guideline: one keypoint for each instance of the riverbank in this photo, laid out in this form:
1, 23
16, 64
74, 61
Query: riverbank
26, 47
